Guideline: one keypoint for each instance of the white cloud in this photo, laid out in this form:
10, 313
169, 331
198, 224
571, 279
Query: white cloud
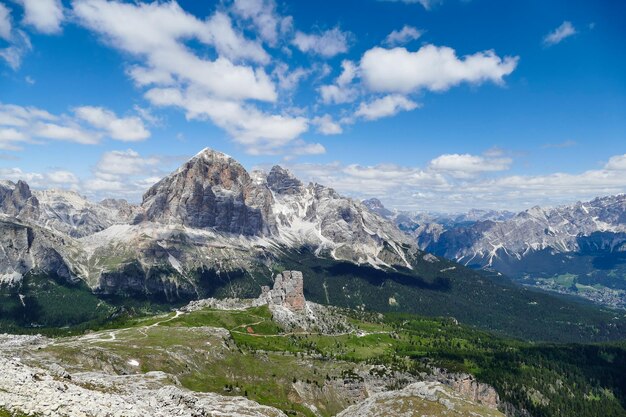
288, 80
402, 36
5, 23
335, 94
128, 129
342, 91
89, 126
616, 163
326, 44
429, 189
45, 180
431, 67
155, 32
19, 45
370, 181
557, 35
326, 125
220, 89
386, 106
10, 138
18, 41
230, 43
44, 15
308, 149
128, 162
69, 132
463, 165
259, 132
263, 15
62, 177
126, 174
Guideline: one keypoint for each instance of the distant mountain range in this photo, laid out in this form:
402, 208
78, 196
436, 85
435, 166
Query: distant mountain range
578, 248
212, 229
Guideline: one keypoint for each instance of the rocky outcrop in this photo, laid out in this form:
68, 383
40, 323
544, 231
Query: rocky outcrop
211, 190
468, 386
288, 291
420, 399
36, 391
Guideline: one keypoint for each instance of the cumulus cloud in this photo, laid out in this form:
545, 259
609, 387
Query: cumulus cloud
616, 163
62, 177
89, 125
225, 90
288, 80
386, 106
565, 30
128, 162
125, 174
326, 44
53, 178
258, 131
463, 165
155, 33
431, 67
304, 148
43, 15
342, 90
402, 36
128, 129
326, 125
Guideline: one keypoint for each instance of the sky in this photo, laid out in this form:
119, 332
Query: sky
429, 105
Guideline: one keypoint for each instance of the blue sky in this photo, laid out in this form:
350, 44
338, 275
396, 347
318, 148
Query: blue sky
428, 105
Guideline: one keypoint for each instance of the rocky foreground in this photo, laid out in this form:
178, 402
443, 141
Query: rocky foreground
99, 380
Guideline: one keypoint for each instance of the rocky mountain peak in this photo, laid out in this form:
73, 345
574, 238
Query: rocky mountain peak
211, 190
211, 155
377, 206
282, 181
17, 200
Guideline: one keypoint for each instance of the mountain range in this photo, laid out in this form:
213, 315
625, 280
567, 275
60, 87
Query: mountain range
212, 229
578, 249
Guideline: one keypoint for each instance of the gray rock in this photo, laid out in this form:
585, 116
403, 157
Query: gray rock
282, 181
214, 191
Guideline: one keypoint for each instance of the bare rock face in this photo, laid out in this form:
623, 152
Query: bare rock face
288, 291
16, 200
468, 386
26, 248
211, 190
283, 182
425, 398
